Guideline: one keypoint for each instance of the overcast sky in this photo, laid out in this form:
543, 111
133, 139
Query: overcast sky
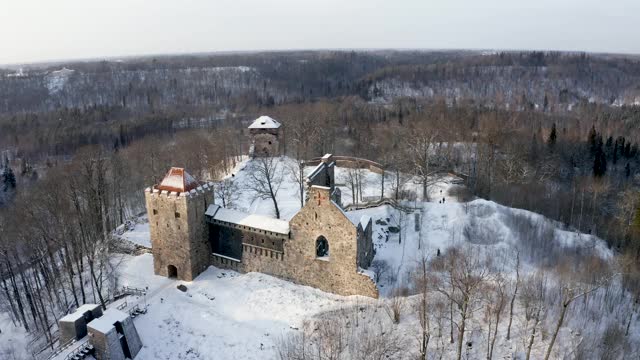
39, 30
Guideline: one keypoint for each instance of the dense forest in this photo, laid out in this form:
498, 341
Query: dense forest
554, 133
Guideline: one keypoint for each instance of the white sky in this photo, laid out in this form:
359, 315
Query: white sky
39, 30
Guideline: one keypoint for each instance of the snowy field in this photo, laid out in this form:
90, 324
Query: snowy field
226, 315
223, 315
13, 340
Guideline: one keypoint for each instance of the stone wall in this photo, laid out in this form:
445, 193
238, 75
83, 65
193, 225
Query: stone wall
266, 142
106, 345
225, 262
226, 240
70, 330
265, 261
229, 239
365, 246
179, 234
264, 240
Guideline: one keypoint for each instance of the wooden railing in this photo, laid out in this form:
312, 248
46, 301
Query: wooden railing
129, 290
385, 201
80, 352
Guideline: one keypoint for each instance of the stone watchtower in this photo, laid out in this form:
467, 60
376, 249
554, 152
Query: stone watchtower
177, 225
265, 133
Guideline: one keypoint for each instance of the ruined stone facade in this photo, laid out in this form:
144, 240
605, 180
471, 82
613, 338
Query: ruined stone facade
178, 230
339, 271
294, 257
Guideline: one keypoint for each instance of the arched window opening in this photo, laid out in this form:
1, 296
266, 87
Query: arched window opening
322, 247
172, 272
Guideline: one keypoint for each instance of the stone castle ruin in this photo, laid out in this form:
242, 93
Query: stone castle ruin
321, 246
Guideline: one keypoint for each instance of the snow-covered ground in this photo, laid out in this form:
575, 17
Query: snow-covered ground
289, 199
226, 315
13, 340
223, 314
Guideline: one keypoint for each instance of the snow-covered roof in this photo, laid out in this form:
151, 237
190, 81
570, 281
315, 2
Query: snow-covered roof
244, 219
178, 180
79, 312
362, 220
104, 323
365, 220
316, 171
264, 122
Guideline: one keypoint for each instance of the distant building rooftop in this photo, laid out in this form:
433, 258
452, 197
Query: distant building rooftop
265, 122
178, 180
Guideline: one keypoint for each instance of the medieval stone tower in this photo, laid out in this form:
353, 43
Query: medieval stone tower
265, 133
177, 225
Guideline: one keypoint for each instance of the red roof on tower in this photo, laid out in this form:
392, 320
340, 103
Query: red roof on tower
177, 180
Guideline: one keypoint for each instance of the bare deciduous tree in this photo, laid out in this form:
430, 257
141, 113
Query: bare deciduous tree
355, 180
425, 152
396, 307
516, 284
265, 179
573, 288
463, 276
296, 172
338, 335
496, 302
532, 297
227, 191
379, 268
422, 284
